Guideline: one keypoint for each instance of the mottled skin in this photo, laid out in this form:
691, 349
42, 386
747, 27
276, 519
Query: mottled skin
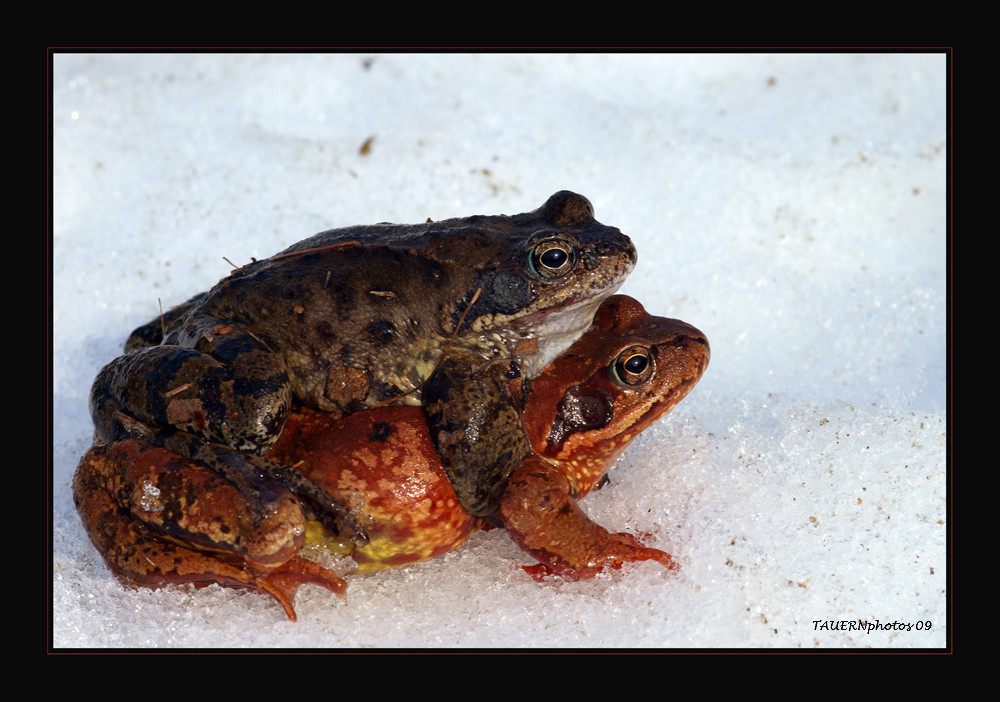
159, 519
580, 413
358, 317
624, 374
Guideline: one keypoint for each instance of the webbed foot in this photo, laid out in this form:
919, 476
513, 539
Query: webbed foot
158, 520
543, 518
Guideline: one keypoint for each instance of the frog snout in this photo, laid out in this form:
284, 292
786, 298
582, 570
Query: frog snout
623, 248
691, 341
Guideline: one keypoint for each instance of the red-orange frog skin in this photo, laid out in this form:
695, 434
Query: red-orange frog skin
624, 374
159, 519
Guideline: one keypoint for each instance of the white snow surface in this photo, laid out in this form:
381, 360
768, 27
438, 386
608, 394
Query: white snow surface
791, 206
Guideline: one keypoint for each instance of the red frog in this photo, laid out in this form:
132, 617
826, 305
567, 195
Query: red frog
158, 518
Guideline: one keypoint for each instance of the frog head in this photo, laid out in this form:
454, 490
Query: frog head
626, 372
540, 290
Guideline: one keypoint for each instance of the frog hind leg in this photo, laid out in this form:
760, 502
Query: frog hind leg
542, 517
186, 400
151, 333
125, 494
218, 382
258, 479
475, 425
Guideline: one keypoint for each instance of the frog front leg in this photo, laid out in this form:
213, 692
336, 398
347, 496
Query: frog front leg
158, 519
542, 517
475, 424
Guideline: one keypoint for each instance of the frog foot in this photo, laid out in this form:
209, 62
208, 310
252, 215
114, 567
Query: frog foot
542, 517
621, 548
127, 495
284, 582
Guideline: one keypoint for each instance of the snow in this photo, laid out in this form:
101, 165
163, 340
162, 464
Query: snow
791, 206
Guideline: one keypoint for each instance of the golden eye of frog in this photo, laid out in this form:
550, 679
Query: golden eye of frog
358, 317
580, 413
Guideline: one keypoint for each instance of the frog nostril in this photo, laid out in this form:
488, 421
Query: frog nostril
603, 248
611, 249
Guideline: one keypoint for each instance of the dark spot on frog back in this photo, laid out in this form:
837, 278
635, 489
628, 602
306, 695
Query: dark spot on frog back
341, 292
381, 331
381, 431
326, 330
293, 286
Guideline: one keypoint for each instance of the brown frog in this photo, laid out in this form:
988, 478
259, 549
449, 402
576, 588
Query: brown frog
358, 317
580, 413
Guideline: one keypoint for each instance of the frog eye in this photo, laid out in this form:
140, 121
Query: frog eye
634, 365
552, 258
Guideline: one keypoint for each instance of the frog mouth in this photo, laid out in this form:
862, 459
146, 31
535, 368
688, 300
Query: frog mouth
545, 334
